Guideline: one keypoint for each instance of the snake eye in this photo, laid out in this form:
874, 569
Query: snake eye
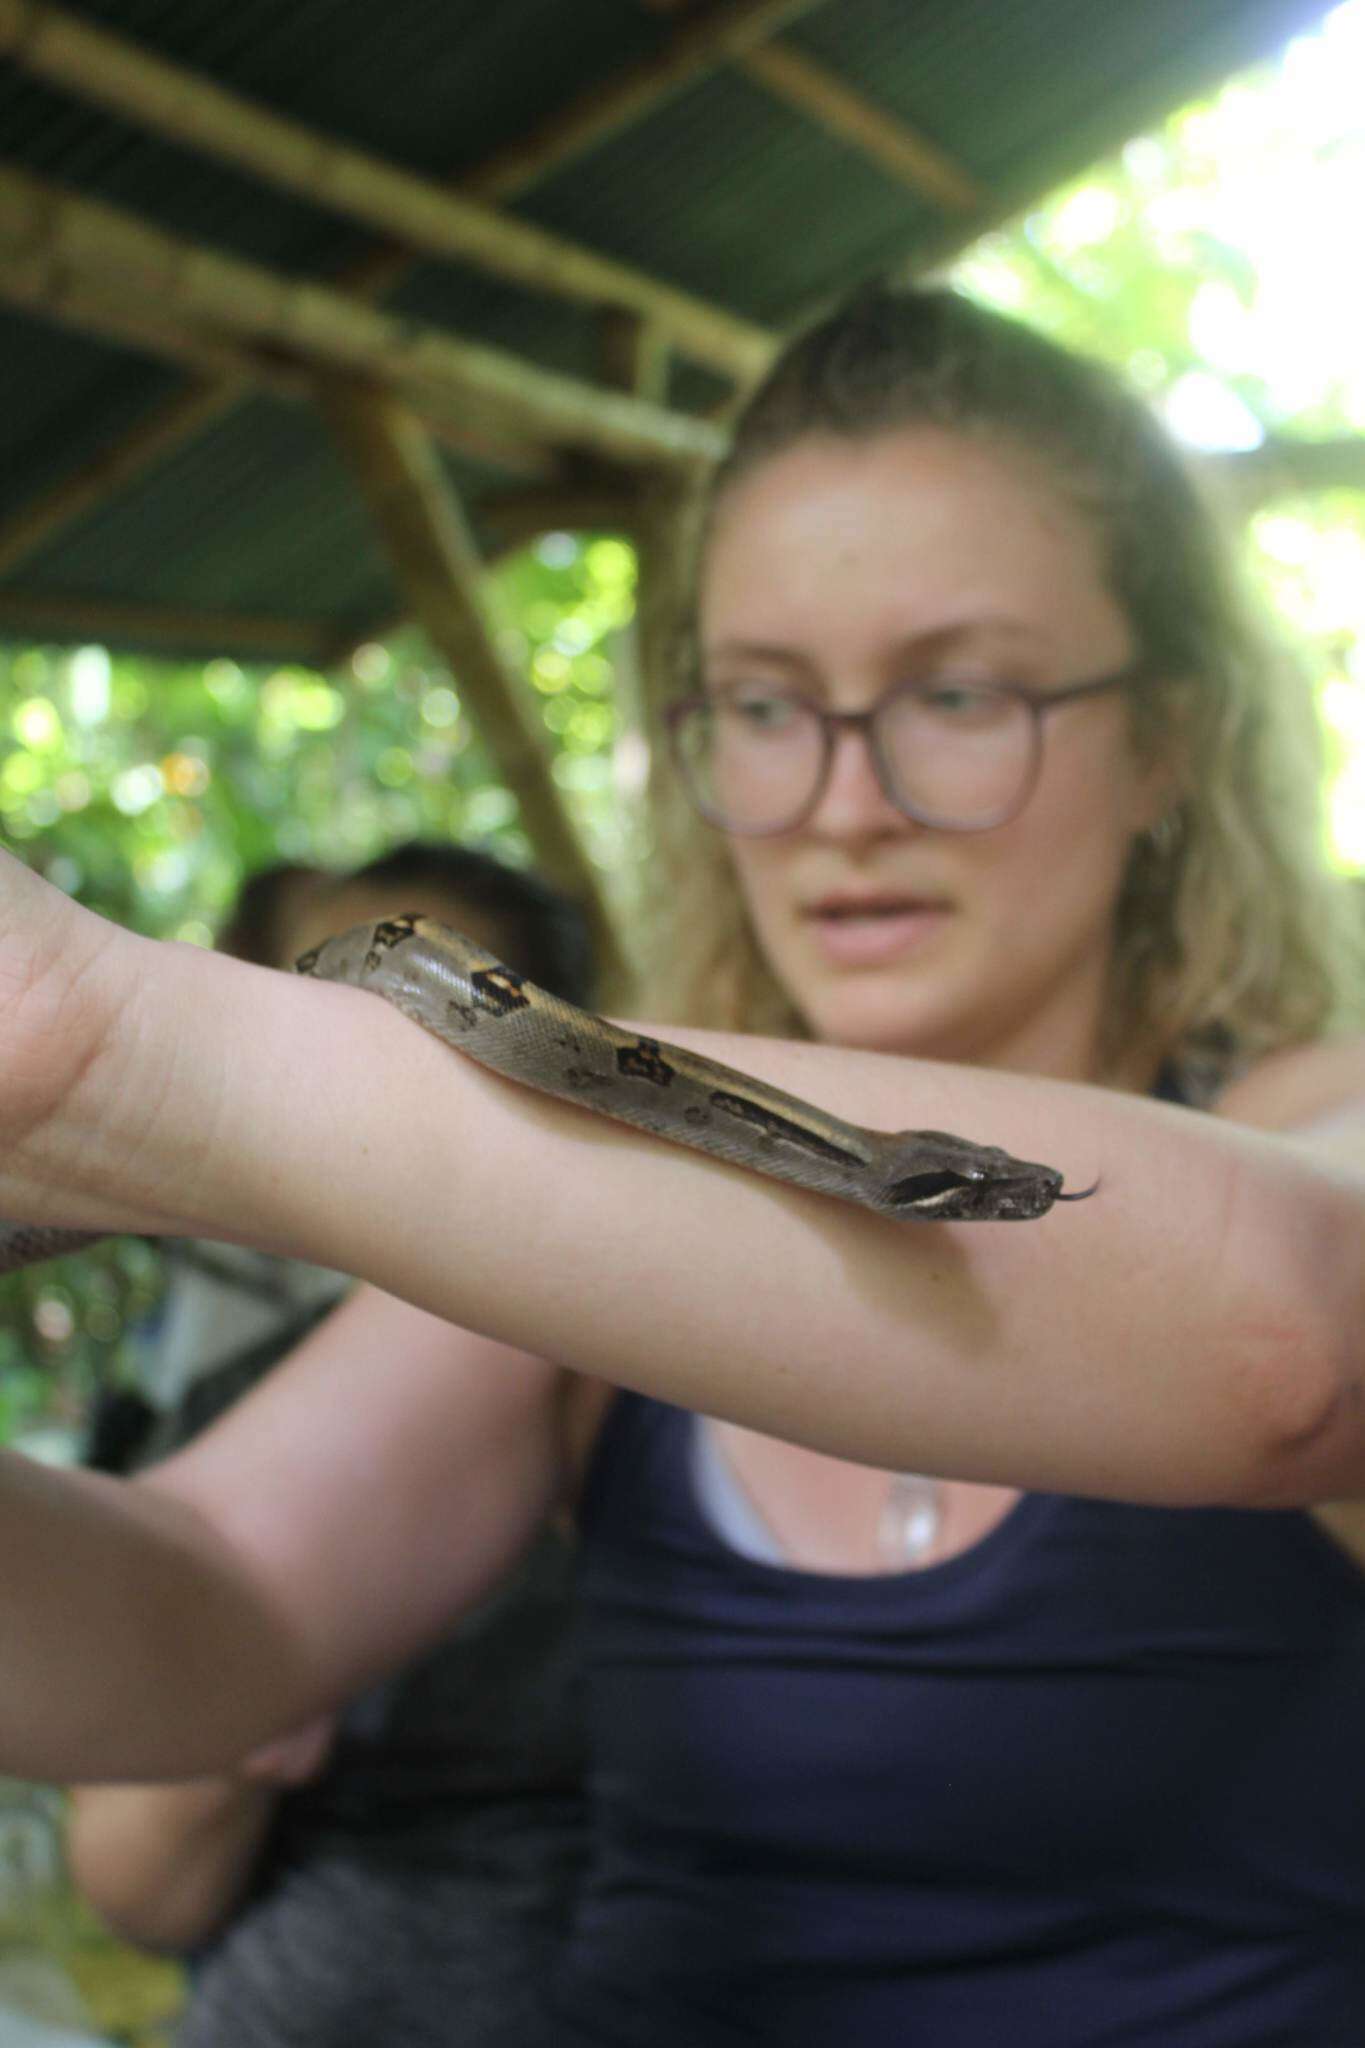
919, 1188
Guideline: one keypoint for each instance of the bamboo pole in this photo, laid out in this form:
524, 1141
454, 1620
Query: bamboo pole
163, 431
893, 145
437, 566
691, 52
40, 283
664, 538
632, 359
636, 356
37, 280
627, 97
169, 626
172, 101
597, 115
507, 522
83, 239
848, 115
662, 541
513, 519
1284, 467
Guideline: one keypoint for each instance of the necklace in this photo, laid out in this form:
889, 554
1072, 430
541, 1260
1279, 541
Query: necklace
911, 1518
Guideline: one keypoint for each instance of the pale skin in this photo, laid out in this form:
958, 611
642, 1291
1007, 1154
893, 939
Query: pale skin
1189, 1335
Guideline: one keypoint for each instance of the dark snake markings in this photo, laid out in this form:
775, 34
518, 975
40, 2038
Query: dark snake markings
777, 1127
388, 933
499, 991
643, 1061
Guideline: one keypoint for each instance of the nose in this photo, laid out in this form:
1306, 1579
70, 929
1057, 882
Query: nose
853, 804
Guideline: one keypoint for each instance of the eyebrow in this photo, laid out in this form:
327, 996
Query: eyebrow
938, 640
756, 650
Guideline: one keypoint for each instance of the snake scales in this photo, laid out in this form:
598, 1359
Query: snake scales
459, 992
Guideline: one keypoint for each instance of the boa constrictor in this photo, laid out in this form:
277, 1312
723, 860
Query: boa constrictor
458, 991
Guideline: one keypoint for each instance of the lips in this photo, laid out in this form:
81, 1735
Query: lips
870, 929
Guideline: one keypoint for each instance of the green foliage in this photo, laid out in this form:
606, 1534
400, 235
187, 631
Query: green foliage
1207, 262
64, 1332
150, 790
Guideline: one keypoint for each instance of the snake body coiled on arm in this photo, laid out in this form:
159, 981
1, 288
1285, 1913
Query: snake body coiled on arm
458, 991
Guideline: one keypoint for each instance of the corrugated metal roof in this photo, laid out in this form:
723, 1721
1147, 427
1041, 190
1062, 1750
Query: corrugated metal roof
719, 188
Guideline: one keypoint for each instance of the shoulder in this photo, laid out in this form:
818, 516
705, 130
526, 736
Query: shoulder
1300, 1086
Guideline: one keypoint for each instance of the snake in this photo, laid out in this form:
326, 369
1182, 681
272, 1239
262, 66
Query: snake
457, 990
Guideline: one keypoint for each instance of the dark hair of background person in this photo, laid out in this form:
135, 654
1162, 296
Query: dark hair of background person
255, 924
546, 935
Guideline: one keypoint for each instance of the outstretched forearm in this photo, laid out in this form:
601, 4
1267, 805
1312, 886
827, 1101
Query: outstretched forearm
1185, 1335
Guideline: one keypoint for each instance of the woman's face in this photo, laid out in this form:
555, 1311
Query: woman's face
839, 569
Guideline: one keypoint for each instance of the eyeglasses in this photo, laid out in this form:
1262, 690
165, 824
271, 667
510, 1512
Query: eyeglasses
961, 756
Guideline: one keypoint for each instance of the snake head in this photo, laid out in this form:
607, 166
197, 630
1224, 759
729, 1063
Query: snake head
951, 1180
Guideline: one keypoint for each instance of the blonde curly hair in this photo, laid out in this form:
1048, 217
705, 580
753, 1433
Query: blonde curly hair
1232, 935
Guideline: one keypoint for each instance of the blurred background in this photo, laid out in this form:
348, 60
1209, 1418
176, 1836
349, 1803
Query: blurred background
1213, 256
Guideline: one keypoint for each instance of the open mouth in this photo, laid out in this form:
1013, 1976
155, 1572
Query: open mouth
844, 908
866, 930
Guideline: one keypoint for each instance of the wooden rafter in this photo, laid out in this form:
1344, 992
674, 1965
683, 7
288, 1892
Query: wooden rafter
225, 372
80, 491
651, 680
1280, 468
48, 232
507, 521
893, 145
635, 356
1285, 467
733, 31
168, 626
693, 50
32, 279
172, 101
617, 102
816, 92
436, 563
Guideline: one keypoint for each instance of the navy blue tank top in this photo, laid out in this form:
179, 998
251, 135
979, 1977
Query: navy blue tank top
1098, 1780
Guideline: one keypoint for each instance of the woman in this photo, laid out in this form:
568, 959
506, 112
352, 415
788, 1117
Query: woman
1036, 1766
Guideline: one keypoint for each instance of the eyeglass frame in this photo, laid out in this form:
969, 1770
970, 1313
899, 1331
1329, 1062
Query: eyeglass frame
1035, 701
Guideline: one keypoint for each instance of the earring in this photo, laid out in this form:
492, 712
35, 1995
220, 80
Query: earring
1164, 836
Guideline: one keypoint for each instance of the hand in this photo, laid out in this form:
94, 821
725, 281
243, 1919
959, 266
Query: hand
50, 1015
57, 990
75, 996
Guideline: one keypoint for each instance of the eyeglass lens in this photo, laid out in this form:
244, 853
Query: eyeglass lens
958, 755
